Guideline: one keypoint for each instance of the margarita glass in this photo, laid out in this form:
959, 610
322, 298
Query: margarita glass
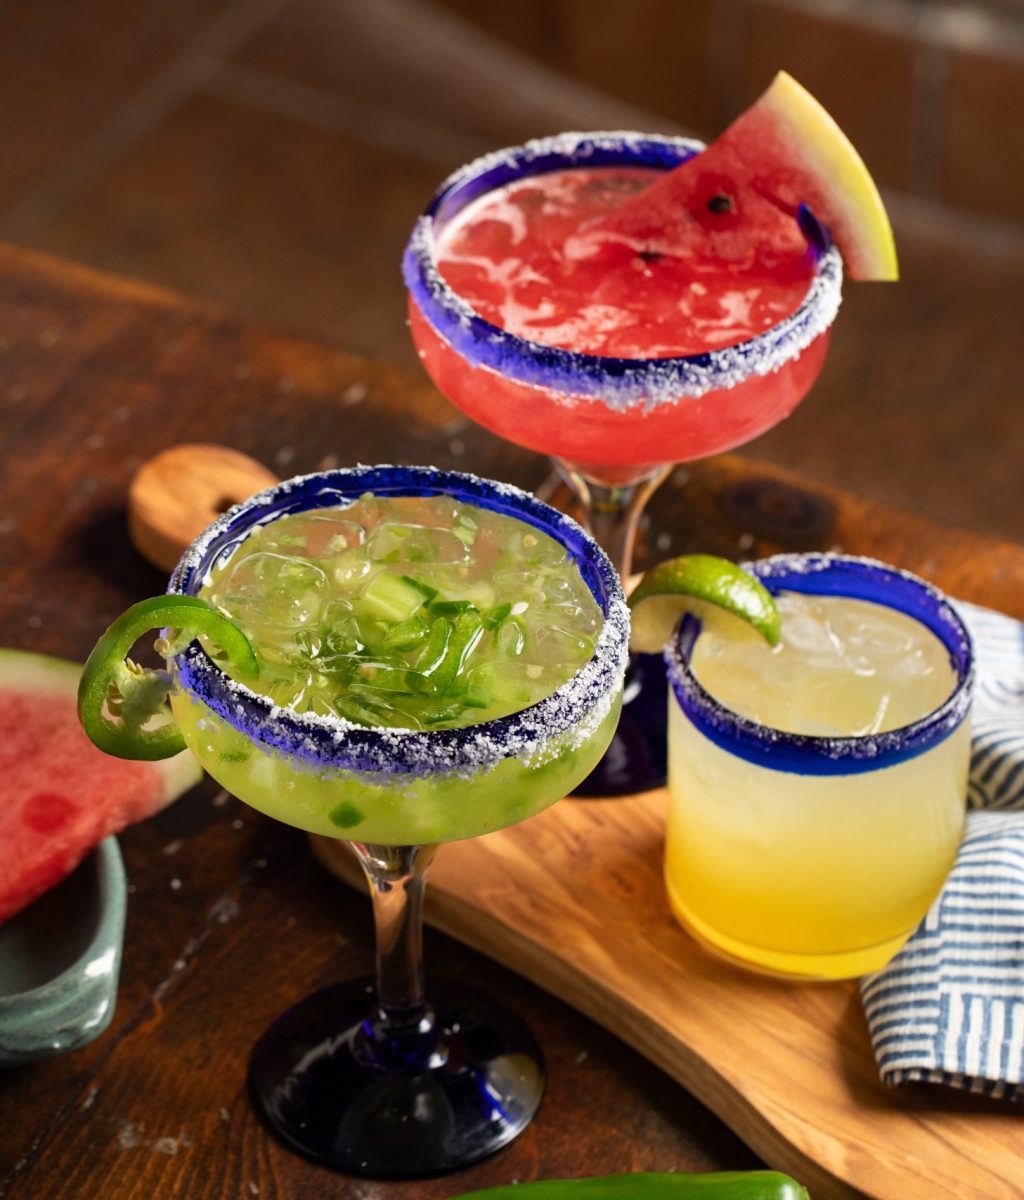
815, 855
613, 425
397, 1085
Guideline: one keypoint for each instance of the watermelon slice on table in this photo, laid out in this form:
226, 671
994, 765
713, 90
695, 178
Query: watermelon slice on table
59, 795
783, 156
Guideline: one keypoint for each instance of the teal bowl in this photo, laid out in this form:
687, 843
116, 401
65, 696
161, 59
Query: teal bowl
59, 962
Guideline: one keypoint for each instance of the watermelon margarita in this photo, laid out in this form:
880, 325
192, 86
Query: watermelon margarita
618, 350
544, 327
394, 656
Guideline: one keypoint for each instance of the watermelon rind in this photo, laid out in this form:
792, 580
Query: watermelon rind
849, 203
24, 671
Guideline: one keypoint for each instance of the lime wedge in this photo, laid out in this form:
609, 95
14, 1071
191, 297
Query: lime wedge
691, 583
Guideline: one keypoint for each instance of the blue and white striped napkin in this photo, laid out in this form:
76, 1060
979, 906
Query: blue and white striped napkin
949, 1008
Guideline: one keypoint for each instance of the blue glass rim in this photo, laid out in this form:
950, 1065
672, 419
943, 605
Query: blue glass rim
618, 382
804, 754
336, 744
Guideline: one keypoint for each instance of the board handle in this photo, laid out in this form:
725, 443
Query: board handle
175, 494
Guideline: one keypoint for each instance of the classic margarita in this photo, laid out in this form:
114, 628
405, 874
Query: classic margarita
781, 854
414, 613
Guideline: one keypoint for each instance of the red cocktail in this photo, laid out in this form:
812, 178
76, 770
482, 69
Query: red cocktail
616, 361
610, 358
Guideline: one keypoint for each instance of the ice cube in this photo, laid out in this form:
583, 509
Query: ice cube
273, 589
555, 646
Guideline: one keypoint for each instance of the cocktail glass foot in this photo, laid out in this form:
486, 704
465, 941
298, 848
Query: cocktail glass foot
372, 1078
458, 1081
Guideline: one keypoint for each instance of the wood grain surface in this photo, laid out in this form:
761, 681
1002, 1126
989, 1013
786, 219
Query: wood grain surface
574, 899
230, 918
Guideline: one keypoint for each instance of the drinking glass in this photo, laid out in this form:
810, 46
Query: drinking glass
382, 1080
806, 856
614, 426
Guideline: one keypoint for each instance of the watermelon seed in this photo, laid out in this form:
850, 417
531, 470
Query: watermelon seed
648, 256
720, 204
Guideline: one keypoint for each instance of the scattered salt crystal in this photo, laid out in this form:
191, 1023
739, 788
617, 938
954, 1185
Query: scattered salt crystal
355, 393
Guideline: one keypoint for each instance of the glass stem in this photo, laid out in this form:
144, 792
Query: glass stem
613, 510
400, 1032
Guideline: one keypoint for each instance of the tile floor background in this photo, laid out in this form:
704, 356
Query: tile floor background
270, 155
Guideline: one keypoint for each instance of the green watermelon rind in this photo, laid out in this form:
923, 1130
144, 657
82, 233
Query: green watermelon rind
40, 674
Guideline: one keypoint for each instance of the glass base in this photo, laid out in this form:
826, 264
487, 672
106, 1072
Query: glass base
637, 758
313, 1079
801, 968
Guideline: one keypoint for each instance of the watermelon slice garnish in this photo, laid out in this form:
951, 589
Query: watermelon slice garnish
59, 795
783, 158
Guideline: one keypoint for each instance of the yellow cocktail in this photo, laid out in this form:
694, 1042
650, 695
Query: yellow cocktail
818, 787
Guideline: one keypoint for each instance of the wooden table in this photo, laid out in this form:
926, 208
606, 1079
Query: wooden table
230, 918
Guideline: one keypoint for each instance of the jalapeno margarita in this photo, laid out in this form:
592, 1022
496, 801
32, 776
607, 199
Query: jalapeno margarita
396, 657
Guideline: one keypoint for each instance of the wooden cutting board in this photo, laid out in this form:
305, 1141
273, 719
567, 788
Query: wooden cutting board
573, 899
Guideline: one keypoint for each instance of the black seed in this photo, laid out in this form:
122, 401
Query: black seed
651, 256
720, 204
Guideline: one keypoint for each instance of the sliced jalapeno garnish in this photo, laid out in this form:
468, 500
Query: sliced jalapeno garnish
118, 699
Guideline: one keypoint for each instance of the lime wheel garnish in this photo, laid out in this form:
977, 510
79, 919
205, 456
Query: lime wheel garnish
694, 583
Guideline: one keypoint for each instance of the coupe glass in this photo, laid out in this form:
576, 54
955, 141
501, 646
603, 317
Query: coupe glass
613, 426
385, 1082
808, 856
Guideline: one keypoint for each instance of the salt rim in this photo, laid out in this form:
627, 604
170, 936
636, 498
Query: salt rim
555, 725
806, 754
619, 383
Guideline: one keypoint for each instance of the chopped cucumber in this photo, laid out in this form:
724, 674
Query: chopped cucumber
406, 635
493, 617
426, 591
436, 647
451, 608
345, 815
392, 597
469, 629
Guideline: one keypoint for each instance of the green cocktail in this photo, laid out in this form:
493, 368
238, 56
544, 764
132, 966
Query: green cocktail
397, 657
419, 613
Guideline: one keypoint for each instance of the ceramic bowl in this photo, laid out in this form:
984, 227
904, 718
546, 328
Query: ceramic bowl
59, 962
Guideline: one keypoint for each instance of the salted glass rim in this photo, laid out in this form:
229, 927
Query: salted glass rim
856, 577
575, 709
618, 382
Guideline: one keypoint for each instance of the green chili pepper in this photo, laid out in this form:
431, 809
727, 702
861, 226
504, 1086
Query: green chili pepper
117, 699
722, 1185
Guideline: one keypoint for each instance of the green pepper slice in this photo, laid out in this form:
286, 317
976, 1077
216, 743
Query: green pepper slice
718, 1185
117, 698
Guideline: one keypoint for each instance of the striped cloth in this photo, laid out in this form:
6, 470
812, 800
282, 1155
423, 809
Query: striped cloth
949, 1008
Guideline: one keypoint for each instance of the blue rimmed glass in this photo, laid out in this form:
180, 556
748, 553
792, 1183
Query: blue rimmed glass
614, 426
810, 856
397, 1086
